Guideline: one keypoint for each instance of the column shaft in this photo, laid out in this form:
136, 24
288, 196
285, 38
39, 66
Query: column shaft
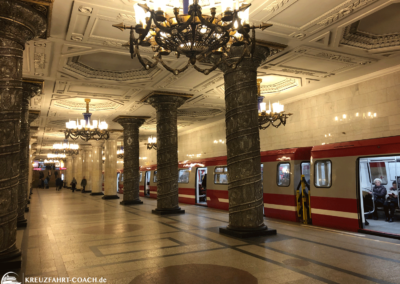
131, 158
110, 170
69, 173
167, 152
243, 146
78, 169
97, 170
87, 170
29, 91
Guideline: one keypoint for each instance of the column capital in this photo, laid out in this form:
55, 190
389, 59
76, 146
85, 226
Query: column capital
261, 53
126, 120
20, 22
33, 114
159, 98
32, 88
96, 143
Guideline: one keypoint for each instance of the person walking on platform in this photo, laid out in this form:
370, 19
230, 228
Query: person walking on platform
59, 183
83, 184
46, 183
73, 184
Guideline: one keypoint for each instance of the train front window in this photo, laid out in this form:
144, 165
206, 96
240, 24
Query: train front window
140, 176
379, 193
283, 174
323, 174
221, 175
183, 176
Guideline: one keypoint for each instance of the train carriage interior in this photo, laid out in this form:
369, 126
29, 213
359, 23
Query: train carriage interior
201, 186
147, 183
379, 179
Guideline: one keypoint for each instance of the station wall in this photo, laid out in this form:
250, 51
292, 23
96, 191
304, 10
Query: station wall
344, 114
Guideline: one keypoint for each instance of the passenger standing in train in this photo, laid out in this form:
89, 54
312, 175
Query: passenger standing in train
391, 202
379, 192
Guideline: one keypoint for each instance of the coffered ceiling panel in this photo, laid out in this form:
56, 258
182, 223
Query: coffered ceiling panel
313, 62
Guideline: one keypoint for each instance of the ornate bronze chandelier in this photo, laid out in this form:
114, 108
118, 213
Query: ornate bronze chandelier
275, 117
152, 143
66, 148
192, 34
87, 129
120, 152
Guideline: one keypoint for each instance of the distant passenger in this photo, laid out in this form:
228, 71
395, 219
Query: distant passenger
391, 202
83, 184
73, 184
379, 193
59, 184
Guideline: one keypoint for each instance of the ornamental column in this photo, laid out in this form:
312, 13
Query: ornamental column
32, 115
19, 23
29, 90
110, 170
97, 164
166, 105
31, 158
87, 168
78, 168
69, 173
131, 126
243, 145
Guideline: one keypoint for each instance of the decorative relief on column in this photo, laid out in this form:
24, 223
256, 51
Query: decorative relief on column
18, 23
131, 126
29, 90
166, 105
243, 146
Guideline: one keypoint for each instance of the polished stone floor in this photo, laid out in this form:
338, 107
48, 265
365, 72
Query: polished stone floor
78, 235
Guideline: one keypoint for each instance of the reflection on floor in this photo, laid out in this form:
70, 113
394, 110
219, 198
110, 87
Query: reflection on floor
381, 225
78, 235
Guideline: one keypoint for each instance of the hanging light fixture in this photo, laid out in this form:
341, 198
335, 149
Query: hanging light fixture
66, 148
56, 156
87, 129
120, 152
192, 34
152, 143
275, 117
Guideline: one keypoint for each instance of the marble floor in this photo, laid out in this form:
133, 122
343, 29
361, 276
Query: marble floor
78, 235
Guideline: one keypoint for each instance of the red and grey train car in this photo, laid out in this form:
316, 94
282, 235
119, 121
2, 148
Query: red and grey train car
337, 175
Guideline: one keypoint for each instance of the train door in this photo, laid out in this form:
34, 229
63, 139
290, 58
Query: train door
201, 186
147, 183
303, 194
379, 179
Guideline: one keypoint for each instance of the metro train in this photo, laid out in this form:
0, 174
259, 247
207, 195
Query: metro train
336, 177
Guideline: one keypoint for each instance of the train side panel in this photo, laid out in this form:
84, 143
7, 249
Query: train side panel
187, 191
217, 194
336, 206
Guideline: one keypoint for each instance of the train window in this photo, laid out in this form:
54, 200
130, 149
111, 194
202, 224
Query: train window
283, 174
378, 170
140, 176
183, 176
305, 170
262, 171
221, 175
323, 174
155, 176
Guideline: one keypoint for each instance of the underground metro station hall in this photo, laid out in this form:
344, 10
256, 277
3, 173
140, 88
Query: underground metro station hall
199, 141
